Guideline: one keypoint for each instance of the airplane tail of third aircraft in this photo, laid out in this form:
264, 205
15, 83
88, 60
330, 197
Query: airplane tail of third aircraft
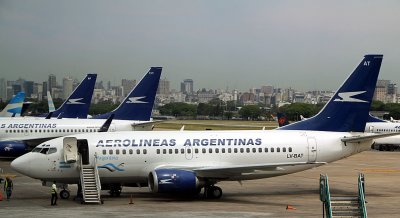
348, 109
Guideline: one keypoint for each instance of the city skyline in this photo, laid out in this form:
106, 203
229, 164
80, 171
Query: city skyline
386, 92
306, 44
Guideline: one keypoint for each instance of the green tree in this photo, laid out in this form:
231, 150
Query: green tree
293, 111
377, 106
179, 109
393, 109
252, 112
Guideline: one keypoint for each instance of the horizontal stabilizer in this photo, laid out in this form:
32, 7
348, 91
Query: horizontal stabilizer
362, 138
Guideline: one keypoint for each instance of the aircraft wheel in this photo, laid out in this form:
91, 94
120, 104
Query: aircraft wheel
214, 192
64, 194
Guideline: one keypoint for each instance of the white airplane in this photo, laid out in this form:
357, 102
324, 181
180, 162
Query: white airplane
187, 161
18, 135
380, 126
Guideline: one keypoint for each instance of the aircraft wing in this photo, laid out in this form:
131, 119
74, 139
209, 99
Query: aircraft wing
146, 123
362, 138
224, 172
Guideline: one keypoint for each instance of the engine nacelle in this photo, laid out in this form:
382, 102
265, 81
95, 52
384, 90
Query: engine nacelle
173, 181
13, 148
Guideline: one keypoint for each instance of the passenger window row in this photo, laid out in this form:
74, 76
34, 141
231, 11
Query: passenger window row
50, 130
124, 151
388, 130
223, 150
203, 150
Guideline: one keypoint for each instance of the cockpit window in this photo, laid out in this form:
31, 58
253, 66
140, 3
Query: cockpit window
36, 149
44, 150
52, 150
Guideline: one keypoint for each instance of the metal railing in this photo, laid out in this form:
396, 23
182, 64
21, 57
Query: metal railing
325, 196
361, 195
82, 181
96, 174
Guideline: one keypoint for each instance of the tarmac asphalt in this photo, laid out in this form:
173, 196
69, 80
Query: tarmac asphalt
258, 198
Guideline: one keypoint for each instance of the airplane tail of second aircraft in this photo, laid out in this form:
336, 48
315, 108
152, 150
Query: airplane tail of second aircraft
78, 103
348, 109
139, 103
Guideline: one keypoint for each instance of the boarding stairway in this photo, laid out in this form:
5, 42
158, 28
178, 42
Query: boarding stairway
90, 182
343, 206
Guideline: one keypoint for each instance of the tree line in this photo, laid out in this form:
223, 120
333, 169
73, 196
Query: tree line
217, 109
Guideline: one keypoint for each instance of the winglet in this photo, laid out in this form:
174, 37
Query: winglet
106, 125
49, 115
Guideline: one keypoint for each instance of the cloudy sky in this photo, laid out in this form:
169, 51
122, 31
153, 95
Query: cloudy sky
217, 43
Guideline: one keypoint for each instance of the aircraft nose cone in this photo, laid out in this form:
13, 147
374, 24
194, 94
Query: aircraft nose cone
20, 165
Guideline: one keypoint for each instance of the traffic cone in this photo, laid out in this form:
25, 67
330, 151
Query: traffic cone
131, 201
290, 207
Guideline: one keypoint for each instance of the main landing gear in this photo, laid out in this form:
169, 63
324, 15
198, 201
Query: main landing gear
115, 190
212, 192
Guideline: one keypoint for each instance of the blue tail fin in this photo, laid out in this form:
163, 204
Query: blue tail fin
50, 102
14, 106
139, 102
348, 109
78, 103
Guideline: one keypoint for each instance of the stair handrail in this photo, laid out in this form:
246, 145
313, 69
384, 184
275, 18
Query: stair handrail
82, 182
325, 195
96, 174
361, 195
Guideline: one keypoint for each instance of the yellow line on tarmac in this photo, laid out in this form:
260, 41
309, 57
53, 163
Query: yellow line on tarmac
372, 170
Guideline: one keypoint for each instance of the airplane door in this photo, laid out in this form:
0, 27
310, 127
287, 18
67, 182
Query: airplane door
70, 145
371, 128
189, 152
83, 150
312, 149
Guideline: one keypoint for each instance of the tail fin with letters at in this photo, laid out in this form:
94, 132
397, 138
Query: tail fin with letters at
348, 109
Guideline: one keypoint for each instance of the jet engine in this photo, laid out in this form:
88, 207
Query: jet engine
174, 181
12, 148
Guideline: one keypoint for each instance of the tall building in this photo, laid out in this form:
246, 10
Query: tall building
385, 91
15, 88
28, 88
267, 89
52, 83
127, 86
163, 87
44, 88
187, 86
67, 86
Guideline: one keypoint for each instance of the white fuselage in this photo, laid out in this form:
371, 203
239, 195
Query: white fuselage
28, 129
384, 127
136, 154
